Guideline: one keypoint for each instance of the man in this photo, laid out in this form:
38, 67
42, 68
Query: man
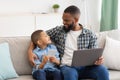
72, 36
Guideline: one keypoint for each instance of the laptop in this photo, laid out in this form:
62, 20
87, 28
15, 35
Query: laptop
86, 57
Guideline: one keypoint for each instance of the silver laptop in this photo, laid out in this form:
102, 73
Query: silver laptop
86, 57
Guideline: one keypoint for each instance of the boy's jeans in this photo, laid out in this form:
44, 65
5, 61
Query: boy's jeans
47, 75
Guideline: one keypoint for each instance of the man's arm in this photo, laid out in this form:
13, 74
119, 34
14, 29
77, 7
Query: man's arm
53, 33
31, 55
93, 43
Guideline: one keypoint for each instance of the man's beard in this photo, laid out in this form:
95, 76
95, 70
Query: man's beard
70, 27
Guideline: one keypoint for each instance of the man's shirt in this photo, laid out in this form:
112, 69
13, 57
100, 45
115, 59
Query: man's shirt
86, 39
70, 46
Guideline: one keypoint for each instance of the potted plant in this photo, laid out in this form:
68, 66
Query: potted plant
56, 7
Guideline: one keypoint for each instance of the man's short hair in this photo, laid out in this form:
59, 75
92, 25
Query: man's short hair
73, 10
36, 36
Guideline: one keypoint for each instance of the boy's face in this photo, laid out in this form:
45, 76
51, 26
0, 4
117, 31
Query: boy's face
44, 38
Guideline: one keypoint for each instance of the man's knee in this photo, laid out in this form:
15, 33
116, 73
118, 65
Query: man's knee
101, 71
69, 72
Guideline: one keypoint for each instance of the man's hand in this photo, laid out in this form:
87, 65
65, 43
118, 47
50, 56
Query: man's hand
31, 55
99, 61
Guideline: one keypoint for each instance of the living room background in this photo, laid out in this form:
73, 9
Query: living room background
22, 17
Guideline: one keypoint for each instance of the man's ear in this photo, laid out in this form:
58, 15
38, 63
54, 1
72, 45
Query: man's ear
76, 20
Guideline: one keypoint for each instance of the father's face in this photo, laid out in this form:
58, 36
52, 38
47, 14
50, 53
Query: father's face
68, 22
69, 27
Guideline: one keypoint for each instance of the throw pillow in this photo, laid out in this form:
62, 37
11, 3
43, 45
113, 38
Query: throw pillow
111, 53
1, 78
6, 68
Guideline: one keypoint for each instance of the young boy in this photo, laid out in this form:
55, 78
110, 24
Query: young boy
45, 67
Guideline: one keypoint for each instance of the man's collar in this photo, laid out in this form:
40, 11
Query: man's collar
84, 31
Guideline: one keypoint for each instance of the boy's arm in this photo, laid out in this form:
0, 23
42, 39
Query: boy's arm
54, 60
41, 65
57, 62
45, 60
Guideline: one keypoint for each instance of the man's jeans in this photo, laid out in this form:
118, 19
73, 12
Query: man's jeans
47, 75
89, 72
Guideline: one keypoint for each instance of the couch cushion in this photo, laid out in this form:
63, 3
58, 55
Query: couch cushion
23, 77
114, 75
18, 49
102, 36
111, 53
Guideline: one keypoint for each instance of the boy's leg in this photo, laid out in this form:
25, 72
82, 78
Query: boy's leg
57, 75
94, 72
39, 75
69, 73
53, 75
49, 75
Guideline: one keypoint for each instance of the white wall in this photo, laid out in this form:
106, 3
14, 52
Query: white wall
90, 13
22, 26
16, 6
94, 14
48, 21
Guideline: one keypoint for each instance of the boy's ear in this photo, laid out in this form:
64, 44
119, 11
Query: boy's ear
39, 42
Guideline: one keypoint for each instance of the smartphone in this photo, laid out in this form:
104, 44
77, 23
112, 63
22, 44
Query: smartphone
52, 52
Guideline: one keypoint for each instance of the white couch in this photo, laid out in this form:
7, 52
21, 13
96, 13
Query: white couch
19, 46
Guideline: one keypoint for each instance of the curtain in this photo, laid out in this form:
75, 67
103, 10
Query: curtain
118, 14
109, 15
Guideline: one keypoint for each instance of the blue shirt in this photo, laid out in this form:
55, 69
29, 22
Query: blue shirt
40, 52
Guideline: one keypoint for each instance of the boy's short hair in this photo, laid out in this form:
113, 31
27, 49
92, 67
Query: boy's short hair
36, 36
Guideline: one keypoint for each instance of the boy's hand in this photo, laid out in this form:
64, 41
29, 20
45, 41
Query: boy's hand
54, 60
45, 59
